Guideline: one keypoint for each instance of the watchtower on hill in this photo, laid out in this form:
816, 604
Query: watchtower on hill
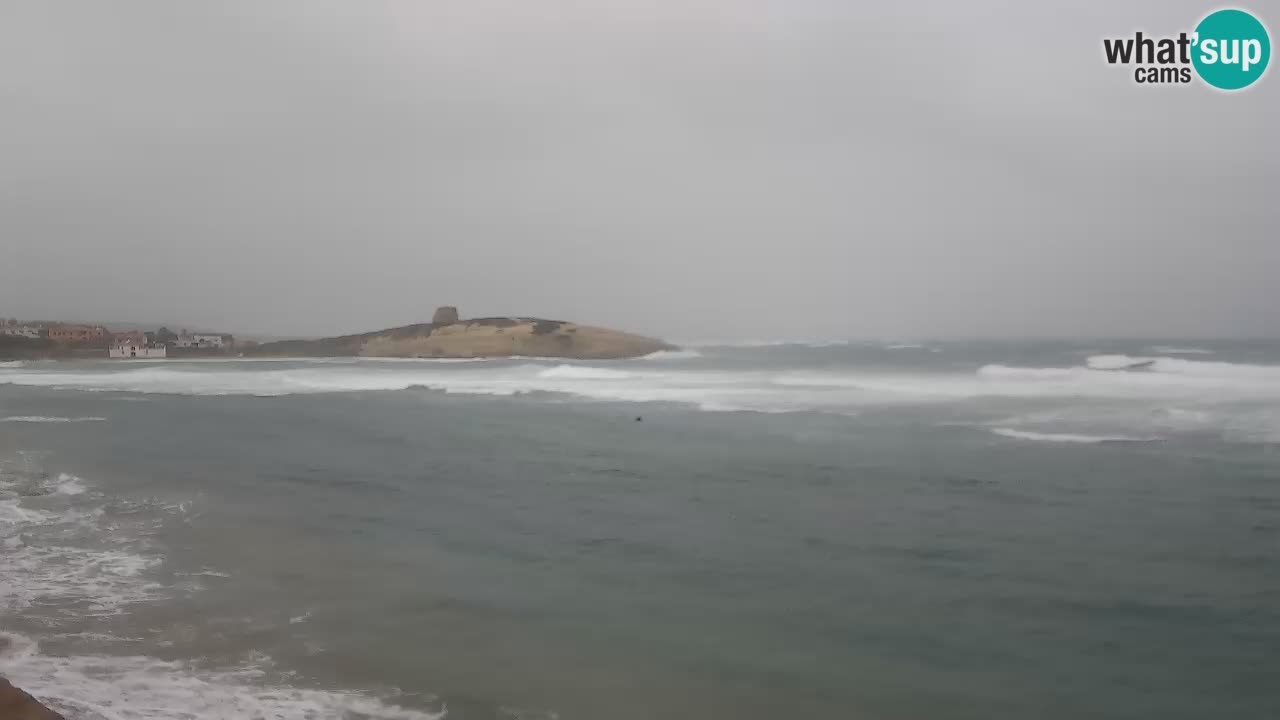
445, 315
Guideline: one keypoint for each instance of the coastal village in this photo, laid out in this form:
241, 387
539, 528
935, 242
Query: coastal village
448, 335
78, 340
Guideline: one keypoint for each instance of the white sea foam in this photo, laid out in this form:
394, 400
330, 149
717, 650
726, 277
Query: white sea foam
41, 578
206, 572
1006, 372
765, 343
682, 354
1117, 362
911, 346
83, 580
48, 419
1220, 389
13, 517
11, 364
68, 484
1172, 379
1066, 437
1183, 418
578, 372
1170, 350
1160, 378
94, 687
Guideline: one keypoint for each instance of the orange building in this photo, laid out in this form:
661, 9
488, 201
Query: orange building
77, 333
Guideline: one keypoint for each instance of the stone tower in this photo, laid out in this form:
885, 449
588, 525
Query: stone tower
445, 315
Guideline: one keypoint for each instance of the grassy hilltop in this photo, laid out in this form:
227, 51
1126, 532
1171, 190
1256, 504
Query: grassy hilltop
449, 337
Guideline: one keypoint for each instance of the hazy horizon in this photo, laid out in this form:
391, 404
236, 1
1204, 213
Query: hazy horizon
808, 169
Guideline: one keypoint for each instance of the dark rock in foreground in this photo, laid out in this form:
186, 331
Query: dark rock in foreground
17, 705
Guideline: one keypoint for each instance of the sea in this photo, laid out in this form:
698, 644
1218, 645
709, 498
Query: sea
755, 531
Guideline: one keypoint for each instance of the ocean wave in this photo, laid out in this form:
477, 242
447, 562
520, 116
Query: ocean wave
79, 581
1171, 350
1159, 377
1220, 389
54, 555
11, 363
765, 343
1117, 362
580, 372
682, 354
68, 484
1067, 437
912, 346
1200, 368
1011, 372
47, 419
97, 687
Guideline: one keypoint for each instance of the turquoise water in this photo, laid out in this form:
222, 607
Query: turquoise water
953, 531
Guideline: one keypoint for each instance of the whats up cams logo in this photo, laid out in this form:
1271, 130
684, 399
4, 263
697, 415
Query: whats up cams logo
1228, 50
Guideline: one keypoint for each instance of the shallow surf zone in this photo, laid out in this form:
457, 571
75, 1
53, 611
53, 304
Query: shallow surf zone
57, 557
73, 559
102, 687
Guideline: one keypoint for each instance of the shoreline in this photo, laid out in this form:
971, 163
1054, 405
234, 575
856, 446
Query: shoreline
16, 704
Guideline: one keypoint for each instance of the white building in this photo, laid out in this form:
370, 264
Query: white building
208, 341
136, 349
26, 331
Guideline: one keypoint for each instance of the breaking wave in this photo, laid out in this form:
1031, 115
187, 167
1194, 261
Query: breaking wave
96, 687
1066, 437
68, 484
684, 354
1161, 377
912, 346
1118, 362
52, 533
1240, 398
578, 372
766, 343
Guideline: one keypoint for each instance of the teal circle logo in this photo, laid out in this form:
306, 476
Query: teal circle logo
1231, 49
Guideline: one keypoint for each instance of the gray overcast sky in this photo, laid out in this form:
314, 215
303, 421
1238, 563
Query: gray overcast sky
695, 169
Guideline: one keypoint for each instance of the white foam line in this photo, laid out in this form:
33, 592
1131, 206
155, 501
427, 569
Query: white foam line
1066, 437
683, 354
146, 688
1160, 382
57, 580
